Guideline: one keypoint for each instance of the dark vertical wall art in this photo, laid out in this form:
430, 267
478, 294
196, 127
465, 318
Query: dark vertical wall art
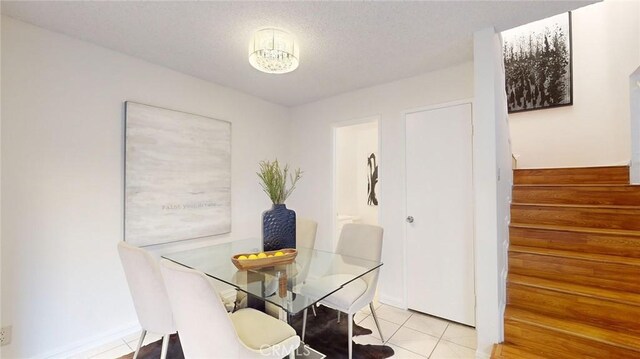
537, 62
372, 180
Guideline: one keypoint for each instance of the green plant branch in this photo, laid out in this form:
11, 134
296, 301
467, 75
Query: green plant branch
274, 180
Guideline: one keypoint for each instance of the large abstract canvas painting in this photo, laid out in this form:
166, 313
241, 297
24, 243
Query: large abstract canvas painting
177, 175
537, 61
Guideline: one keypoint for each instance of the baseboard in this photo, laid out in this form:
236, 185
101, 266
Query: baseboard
392, 301
92, 342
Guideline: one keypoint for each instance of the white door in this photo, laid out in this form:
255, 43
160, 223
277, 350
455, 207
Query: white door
440, 266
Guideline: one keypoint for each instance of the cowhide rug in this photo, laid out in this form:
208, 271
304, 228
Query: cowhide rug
324, 334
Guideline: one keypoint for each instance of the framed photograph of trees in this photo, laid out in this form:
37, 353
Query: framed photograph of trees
537, 63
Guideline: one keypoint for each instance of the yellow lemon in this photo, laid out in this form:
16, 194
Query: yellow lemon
262, 255
279, 254
242, 257
253, 256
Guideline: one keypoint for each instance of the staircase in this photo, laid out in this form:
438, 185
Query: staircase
573, 289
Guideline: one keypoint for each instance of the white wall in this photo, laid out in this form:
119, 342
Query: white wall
634, 98
493, 179
354, 144
1, 321
312, 149
595, 130
62, 180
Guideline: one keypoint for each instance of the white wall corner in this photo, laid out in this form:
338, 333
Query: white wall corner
634, 103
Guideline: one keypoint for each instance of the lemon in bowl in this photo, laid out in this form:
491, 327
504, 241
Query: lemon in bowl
242, 257
278, 254
253, 256
262, 255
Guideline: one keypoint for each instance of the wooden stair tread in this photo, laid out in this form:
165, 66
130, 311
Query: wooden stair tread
576, 255
603, 195
510, 351
589, 206
563, 185
577, 289
614, 217
552, 227
561, 266
583, 175
585, 331
570, 169
622, 243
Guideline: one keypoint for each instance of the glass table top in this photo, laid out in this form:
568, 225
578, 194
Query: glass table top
282, 285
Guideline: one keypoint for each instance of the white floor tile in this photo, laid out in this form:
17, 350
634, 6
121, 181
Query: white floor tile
97, 350
360, 316
132, 336
427, 324
148, 339
393, 314
461, 334
448, 350
376, 305
388, 328
414, 341
113, 353
401, 353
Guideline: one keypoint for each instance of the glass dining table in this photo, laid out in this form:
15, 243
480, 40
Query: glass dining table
281, 285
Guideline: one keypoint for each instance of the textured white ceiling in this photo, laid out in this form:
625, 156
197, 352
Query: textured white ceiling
343, 45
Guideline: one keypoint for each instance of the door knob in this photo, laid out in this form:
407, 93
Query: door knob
410, 219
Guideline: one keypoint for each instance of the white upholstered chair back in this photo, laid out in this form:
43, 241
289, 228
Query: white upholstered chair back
202, 320
306, 233
362, 241
147, 289
357, 241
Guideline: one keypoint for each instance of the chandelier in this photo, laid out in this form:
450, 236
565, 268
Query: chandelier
273, 51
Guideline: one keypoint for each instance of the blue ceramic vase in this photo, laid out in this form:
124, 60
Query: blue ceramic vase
278, 228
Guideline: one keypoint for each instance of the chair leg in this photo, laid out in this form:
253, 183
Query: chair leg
313, 307
165, 346
350, 317
375, 318
338, 317
292, 355
304, 323
142, 335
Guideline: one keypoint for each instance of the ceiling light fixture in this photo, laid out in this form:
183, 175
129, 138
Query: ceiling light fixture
273, 51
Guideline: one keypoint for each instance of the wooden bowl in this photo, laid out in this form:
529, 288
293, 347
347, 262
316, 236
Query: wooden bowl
244, 264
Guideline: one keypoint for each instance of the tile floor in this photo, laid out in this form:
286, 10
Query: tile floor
410, 334
416, 335
118, 348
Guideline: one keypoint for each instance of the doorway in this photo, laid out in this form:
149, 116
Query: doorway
439, 199
356, 185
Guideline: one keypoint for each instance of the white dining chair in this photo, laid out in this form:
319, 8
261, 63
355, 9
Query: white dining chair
149, 294
360, 241
207, 331
306, 233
